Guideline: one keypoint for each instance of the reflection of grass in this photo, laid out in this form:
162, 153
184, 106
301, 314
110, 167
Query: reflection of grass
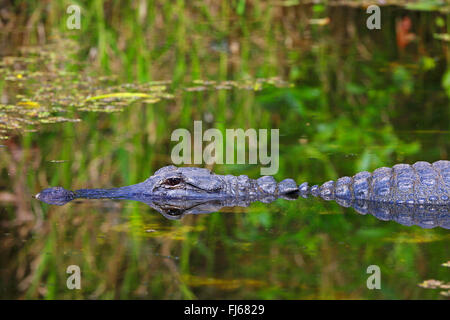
417, 237
342, 116
156, 231
222, 284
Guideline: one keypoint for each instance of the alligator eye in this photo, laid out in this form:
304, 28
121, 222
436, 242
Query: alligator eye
173, 181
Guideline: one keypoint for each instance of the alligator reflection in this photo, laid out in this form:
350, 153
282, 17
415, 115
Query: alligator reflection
425, 215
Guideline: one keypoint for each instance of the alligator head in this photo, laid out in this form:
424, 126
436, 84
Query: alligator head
187, 183
171, 182
197, 183
168, 182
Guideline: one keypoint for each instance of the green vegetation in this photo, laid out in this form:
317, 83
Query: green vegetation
345, 99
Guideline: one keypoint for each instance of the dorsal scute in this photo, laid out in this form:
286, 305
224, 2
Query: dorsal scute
361, 185
326, 190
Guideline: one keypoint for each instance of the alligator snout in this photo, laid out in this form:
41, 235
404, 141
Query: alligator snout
56, 196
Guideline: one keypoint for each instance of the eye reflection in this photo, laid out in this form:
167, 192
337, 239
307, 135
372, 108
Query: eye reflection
174, 212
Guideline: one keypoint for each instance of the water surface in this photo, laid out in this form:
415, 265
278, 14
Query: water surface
345, 99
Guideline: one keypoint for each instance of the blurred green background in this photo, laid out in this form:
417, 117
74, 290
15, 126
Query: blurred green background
359, 99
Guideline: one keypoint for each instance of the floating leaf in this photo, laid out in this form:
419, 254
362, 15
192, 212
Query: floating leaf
29, 104
120, 95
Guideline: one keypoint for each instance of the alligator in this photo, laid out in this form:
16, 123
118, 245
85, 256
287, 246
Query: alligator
422, 187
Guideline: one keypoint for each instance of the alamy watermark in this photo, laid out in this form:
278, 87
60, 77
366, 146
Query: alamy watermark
74, 19
374, 20
74, 280
374, 280
235, 140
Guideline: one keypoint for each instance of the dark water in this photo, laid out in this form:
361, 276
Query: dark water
349, 99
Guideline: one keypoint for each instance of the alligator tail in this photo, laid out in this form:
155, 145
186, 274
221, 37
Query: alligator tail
420, 183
